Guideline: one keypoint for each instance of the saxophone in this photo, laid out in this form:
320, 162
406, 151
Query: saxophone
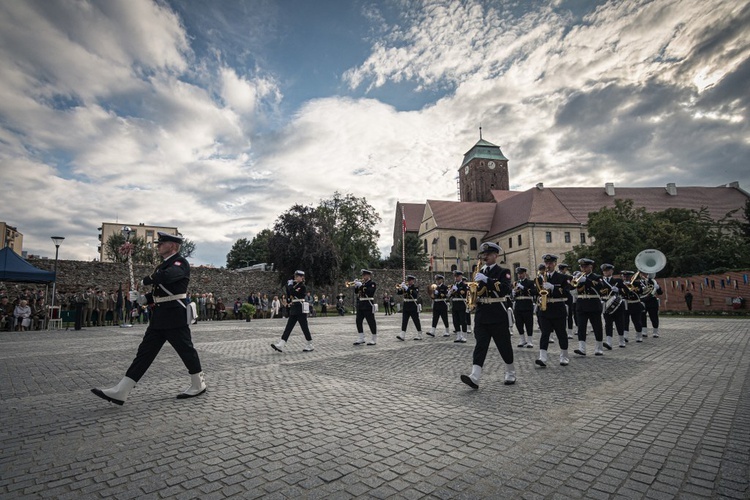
543, 292
471, 297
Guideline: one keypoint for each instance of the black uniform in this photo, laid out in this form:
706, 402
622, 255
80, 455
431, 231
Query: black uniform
440, 305
634, 307
615, 318
651, 305
168, 322
410, 310
366, 306
589, 306
523, 306
553, 317
491, 318
295, 296
458, 306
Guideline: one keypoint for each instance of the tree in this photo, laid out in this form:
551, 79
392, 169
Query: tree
416, 257
298, 242
140, 253
246, 253
187, 249
350, 222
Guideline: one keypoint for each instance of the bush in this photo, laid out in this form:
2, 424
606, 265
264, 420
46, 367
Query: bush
247, 310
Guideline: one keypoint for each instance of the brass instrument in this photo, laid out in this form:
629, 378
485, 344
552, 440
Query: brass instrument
543, 292
576, 279
433, 287
471, 296
649, 261
398, 286
349, 284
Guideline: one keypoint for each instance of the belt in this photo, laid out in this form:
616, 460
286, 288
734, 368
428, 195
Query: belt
299, 300
491, 300
439, 300
159, 300
552, 301
633, 301
410, 300
365, 298
524, 297
458, 300
588, 296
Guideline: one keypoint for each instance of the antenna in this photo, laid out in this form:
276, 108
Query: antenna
480, 131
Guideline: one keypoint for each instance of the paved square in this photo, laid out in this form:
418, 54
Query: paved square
665, 418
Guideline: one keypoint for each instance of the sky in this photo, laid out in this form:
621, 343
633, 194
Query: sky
216, 116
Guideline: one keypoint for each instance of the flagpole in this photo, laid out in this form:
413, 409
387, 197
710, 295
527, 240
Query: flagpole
403, 245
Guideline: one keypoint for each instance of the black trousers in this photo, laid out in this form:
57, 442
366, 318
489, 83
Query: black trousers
414, 315
370, 317
152, 342
571, 314
524, 322
459, 315
439, 311
498, 332
293, 320
633, 313
547, 326
653, 316
593, 317
616, 320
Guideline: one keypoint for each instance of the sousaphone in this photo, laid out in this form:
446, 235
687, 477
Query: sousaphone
647, 262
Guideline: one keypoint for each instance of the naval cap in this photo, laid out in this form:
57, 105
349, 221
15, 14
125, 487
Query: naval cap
166, 237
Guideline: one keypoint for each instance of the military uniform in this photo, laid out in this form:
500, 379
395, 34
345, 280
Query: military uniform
651, 307
440, 306
552, 311
589, 308
524, 294
571, 299
457, 295
410, 293
613, 319
634, 307
365, 291
491, 321
169, 323
295, 296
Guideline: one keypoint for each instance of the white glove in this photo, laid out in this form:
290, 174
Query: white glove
581, 280
436, 293
403, 286
290, 283
548, 286
142, 300
480, 277
454, 288
132, 295
519, 286
656, 285
615, 289
357, 283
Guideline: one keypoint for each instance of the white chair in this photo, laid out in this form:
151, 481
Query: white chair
55, 320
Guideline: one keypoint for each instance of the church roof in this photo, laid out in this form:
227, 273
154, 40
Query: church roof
470, 216
485, 150
413, 213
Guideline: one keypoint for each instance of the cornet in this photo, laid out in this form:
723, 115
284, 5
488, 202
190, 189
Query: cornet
349, 284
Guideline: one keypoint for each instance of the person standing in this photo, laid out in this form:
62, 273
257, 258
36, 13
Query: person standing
524, 293
457, 295
651, 306
571, 300
689, 301
491, 321
410, 310
632, 291
589, 306
386, 304
552, 295
365, 292
298, 311
439, 306
613, 319
169, 323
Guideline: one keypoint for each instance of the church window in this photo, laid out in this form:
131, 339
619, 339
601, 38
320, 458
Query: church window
452, 243
583, 237
520, 240
473, 244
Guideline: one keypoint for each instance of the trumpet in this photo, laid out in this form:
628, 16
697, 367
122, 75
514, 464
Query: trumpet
433, 287
576, 279
349, 284
397, 286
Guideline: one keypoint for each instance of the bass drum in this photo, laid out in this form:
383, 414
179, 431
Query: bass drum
612, 303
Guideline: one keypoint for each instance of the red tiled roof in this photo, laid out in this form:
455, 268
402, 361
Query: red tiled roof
413, 213
470, 216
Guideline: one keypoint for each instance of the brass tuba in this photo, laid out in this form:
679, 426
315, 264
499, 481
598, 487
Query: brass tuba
647, 262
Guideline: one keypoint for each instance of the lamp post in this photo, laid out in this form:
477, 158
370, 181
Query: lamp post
127, 250
57, 240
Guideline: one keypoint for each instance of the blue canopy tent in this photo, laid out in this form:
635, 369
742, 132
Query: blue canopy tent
15, 268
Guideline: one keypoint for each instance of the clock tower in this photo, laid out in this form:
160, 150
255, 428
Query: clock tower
483, 169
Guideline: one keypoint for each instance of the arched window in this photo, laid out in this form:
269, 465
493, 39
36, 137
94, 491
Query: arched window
452, 243
473, 244
453, 267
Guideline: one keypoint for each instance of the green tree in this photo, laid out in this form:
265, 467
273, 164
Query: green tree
141, 253
416, 257
350, 222
246, 253
187, 249
298, 242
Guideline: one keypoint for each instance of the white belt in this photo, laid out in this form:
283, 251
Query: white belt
588, 296
439, 300
365, 298
633, 301
524, 297
552, 301
491, 300
458, 300
159, 300
410, 300
299, 300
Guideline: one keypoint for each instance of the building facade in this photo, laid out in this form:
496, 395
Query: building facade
147, 233
11, 238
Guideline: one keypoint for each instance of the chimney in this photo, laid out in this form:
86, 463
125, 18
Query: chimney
540, 186
734, 184
672, 189
610, 188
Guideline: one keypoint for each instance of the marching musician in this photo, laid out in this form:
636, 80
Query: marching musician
589, 306
491, 319
439, 305
410, 291
571, 302
651, 305
365, 291
296, 291
616, 316
631, 292
524, 293
552, 311
457, 295
169, 323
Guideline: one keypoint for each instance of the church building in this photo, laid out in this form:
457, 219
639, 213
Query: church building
528, 224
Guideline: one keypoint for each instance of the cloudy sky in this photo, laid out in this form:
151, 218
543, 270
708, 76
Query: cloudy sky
217, 116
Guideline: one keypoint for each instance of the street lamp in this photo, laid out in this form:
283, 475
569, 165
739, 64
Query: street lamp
57, 240
127, 250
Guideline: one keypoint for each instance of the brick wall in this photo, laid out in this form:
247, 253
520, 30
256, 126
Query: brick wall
711, 292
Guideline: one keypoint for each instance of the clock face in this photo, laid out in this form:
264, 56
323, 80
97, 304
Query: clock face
466, 170
491, 164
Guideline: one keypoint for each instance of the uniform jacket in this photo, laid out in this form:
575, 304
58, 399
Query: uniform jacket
367, 290
529, 292
295, 291
498, 285
562, 288
411, 293
650, 301
461, 291
174, 274
592, 286
439, 297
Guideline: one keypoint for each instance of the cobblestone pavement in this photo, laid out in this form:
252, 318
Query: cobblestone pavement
666, 418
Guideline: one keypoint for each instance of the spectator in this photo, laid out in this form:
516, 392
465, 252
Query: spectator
275, 307
39, 314
323, 305
236, 309
221, 310
22, 313
210, 306
689, 300
264, 307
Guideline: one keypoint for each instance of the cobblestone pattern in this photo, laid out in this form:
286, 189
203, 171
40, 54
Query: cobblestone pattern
666, 418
